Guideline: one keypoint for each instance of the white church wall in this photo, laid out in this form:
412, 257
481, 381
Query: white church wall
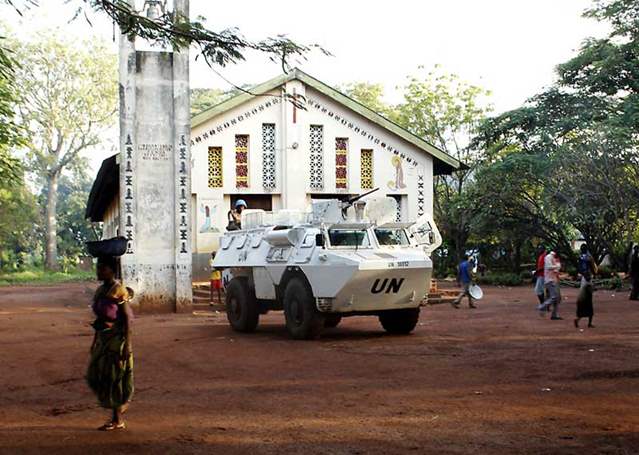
220, 132
399, 168
390, 154
246, 119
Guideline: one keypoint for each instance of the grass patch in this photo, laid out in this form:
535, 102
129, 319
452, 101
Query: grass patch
35, 276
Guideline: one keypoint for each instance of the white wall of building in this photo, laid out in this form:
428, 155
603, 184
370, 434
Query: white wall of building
111, 223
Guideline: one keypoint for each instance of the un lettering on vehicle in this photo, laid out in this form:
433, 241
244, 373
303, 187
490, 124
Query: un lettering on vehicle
387, 285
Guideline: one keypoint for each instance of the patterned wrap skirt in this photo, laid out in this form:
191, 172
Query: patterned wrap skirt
110, 375
584, 300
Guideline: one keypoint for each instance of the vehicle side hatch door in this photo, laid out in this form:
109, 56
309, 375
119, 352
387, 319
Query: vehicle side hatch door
425, 233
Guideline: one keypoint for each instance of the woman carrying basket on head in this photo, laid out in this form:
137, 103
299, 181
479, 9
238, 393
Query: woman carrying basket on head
110, 372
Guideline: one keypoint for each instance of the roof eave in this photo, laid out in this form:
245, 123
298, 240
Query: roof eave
447, 164
378, 119
236, 100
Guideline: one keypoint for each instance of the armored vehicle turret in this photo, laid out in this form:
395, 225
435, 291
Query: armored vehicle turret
340, 258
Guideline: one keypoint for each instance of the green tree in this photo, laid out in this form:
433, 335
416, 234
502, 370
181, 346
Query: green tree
446, 111
596, 190
609, 66
512, 205
608, 69
19, 223
73, 228
205, 98
17, 204
371, 95
10, 133
68, 101
586, 132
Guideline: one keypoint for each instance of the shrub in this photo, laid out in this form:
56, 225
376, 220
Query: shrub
527, 276
616, 283
570, 270
605, 272
502, 279
445, 273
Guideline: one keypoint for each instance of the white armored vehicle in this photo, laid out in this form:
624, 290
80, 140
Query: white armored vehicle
343, 258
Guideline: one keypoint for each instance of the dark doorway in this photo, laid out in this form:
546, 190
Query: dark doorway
323, 196
254, 201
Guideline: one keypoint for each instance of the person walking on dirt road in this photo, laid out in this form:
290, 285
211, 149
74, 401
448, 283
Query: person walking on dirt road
110, 372
539, 274
587, 269
465, 279
552, 265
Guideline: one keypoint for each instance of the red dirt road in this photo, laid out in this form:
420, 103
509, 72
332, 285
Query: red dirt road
467, 381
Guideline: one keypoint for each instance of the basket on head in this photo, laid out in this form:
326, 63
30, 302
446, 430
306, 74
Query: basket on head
115, 247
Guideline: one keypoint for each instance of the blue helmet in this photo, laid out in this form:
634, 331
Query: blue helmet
240, 202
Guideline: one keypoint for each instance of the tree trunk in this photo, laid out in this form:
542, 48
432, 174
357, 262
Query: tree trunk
460, 249
51, 224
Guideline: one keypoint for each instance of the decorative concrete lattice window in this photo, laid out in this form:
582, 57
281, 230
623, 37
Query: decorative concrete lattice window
317, 157
341, 161
268, 155
366, 169
398, 207
241, 161
215, 167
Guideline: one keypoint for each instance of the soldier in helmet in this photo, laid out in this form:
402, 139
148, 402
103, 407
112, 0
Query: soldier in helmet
235, 215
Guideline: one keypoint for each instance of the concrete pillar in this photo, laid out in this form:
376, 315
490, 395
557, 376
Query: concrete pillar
155, 175
128, 157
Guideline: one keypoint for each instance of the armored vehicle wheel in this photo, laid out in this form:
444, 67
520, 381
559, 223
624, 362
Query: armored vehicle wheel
332, 320
400, 322
303, 321
242, 309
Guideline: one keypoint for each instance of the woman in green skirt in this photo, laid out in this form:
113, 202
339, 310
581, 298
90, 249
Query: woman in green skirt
110, 372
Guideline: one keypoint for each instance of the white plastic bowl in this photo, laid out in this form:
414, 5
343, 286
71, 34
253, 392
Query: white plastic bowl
475, 292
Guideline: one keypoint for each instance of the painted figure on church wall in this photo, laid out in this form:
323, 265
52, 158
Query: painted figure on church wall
398, 183
209, 209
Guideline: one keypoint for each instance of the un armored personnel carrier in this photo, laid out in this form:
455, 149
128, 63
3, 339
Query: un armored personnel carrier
342, 258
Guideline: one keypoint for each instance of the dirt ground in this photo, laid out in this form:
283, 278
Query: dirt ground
498, 379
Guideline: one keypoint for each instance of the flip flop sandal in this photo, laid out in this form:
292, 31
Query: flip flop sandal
110, 426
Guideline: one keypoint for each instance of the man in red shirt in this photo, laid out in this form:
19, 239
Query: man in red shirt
539, 273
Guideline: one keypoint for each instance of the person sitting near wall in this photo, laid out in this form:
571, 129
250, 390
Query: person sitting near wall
235, 215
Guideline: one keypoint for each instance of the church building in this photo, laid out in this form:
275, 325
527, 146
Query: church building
286, 142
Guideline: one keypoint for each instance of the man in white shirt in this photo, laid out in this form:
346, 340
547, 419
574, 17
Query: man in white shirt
552, 265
